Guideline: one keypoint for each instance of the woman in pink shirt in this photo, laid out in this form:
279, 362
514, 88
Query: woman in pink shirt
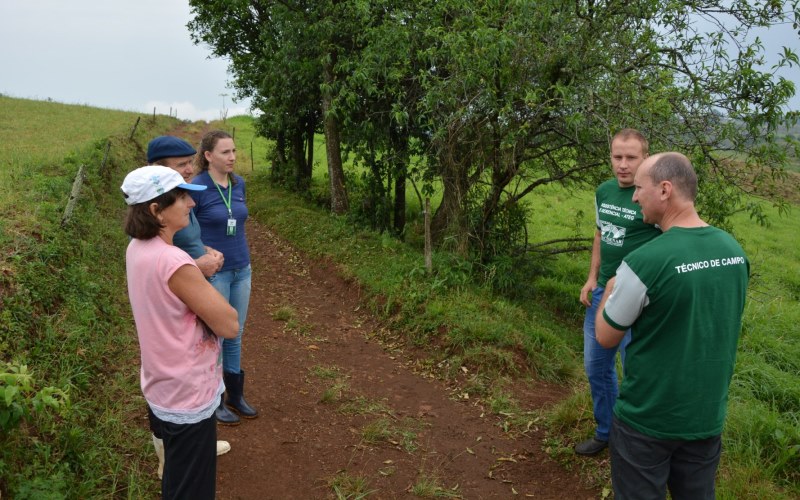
179, 320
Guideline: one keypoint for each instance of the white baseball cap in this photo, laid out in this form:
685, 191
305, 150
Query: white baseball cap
150, 182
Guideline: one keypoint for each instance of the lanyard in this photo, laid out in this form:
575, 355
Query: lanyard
228, 201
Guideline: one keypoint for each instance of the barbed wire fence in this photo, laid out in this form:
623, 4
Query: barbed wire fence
80, 176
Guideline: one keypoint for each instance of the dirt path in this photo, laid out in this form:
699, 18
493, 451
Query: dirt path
336, 404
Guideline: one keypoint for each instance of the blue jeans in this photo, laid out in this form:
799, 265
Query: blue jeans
234, 285
601, 370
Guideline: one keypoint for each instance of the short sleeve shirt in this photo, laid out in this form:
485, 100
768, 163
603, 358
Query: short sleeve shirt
621, 227
181, 371
683, 296
212, 215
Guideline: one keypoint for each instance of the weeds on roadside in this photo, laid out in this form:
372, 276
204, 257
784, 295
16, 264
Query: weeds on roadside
64, 315
349, 487
335, 392
361, 405
283, 313
428, 486
401, 433
325, 372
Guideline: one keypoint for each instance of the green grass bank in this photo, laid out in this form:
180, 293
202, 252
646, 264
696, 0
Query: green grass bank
70, 405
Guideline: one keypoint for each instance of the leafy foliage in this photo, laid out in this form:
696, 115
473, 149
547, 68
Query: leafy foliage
20, 399
493, 100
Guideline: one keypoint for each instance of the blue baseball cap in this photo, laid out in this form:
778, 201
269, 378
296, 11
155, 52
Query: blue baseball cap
168, 146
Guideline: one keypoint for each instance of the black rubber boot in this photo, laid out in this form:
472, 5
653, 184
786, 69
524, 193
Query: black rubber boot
224, 415
234, 388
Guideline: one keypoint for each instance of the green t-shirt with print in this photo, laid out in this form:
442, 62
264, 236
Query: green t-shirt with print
683, 296
621, 227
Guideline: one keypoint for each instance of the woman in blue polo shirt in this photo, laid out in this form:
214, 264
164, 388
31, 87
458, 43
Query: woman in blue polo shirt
221, 212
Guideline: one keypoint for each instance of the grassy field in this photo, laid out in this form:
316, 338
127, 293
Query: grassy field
64, 315
41, 133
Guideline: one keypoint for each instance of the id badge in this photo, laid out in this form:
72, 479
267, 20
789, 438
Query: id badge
231, 227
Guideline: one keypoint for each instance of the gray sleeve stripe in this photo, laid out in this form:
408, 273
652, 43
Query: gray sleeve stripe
627, 299
596, 213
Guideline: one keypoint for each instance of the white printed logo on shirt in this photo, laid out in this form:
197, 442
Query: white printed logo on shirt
611, 234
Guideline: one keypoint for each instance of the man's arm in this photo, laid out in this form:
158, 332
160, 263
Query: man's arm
594, 272
211, 262
606, 335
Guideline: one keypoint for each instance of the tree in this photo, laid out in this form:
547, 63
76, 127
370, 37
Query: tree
495, 99
276, 49
377, 100
522, 94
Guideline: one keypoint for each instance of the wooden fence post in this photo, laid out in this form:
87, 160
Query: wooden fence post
73, 196
133, 130
428, 244
252, 166
105, 157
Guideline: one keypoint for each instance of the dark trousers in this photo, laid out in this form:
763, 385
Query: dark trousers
155, 423
643, 467
190, 458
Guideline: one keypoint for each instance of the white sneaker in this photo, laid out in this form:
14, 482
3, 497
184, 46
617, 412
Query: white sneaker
158, 444
223, 447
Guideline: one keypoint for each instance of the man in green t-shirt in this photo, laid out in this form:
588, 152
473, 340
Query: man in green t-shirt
620, 230
683, 296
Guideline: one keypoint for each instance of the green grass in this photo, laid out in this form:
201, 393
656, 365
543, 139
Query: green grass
428, 486
325, 372
64, 311
40, 134
349, 487
400, 433
283, 313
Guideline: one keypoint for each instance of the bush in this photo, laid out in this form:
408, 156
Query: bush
19, 398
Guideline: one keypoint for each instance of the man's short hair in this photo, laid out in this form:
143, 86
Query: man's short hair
677, 169
632, 133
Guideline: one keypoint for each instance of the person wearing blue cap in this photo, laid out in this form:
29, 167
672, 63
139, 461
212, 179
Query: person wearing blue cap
177, 154
179, 319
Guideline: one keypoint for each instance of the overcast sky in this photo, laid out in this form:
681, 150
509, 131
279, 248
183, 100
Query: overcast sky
137, 54
121, 54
